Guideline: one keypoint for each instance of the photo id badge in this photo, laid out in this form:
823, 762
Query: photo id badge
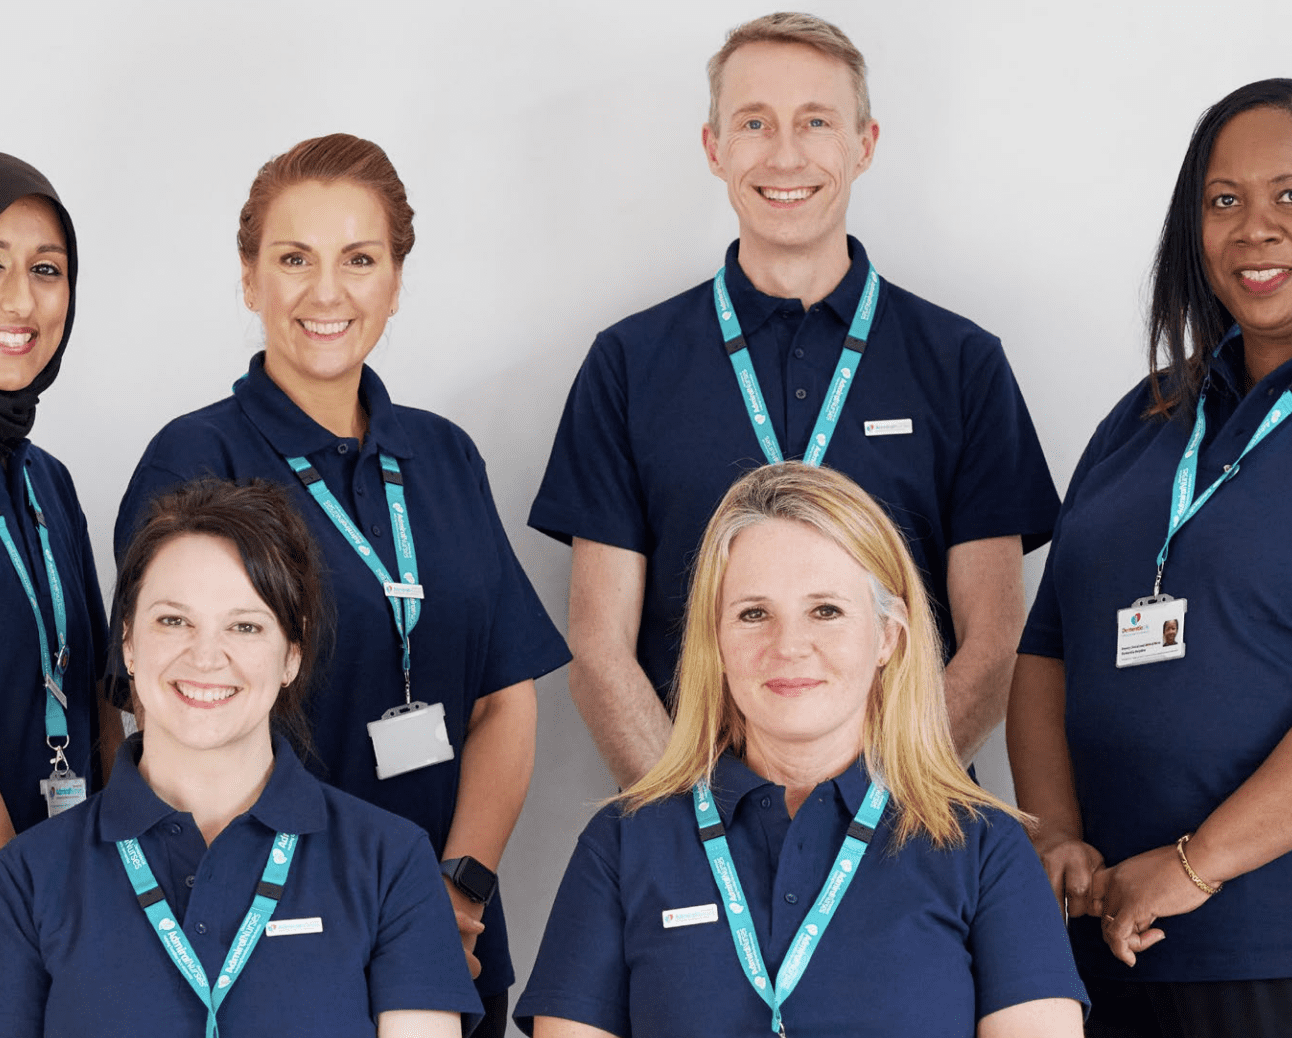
1150, 631
408, 737
61, 792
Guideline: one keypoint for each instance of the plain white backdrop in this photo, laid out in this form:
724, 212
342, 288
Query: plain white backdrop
552, 152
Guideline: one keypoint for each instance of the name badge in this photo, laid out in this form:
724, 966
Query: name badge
61, 792
394, 590
693, 916
290, 927
1150, 631
889, 427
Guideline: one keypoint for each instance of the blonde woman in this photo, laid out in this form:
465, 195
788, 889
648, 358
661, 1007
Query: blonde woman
809, 856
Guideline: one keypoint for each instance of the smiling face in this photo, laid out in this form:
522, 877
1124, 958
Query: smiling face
788, 145
324, 283
207, 653
800, 644
34, 289
1247, 225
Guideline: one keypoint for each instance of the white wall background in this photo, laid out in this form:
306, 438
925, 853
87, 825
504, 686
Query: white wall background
552, 154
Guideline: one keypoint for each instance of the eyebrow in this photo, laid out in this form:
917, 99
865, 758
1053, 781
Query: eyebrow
170, 603
756, 107
349, 248
40, 249
815, 596
1280, 179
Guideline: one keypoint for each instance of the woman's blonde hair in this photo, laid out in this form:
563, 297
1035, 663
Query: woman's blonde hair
905, 736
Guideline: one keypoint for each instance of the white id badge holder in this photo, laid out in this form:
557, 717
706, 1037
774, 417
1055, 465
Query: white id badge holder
408, 737
62, 789
1151, 630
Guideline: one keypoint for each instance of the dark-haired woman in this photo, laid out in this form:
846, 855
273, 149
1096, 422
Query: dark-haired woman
228, 886
1160, 766
51, 613
427, 708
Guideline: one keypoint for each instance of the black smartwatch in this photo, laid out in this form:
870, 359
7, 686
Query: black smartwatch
471, 877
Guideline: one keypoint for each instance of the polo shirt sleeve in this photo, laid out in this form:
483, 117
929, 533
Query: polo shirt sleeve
93, 599
1043, 633
1017, 941
591, 488
581, 972
149, 480
523, 641
1002, 484
26, 982
417, 961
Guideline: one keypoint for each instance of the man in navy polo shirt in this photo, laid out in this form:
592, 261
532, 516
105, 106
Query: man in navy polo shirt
928, 418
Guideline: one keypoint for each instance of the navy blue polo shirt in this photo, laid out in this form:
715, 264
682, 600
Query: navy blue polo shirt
482, 627
1156, 748
925, 942
655, 431
24, 756
79, 956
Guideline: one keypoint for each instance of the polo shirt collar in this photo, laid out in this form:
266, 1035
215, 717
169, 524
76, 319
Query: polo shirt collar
733, 780
291, 801
293, 433
754, 307
1226, 363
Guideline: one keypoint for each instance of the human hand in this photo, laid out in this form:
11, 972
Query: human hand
467, 913
1139, 891
1071, 865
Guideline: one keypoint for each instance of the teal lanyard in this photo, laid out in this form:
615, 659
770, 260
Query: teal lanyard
860, 832
151, 899
844, 373
52, 667
1183, 505
402, 594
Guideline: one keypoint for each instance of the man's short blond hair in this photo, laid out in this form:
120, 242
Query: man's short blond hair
791, 27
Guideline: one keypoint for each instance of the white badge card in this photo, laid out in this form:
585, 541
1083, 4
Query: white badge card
292, 927
408, 737
1150, 631
61, 792
693, 916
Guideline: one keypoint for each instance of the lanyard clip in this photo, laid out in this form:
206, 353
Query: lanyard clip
1157, 584
61, 767
408, 687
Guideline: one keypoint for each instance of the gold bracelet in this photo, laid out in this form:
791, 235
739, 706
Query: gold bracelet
1198, 881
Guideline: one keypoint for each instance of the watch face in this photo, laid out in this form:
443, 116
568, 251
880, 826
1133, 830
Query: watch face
474, 880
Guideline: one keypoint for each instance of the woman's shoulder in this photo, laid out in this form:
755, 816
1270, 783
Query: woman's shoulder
433, 434
364, 825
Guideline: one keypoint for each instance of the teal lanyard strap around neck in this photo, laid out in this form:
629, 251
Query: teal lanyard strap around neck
52, 667
1183, 505
269, 892
861, 831
844, 373
402, 594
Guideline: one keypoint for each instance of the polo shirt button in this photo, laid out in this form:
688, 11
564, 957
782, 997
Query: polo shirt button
376, 530
342, 448
766, 802
359, 490
189, 881
200, 928
175, 829
801, 394
798, 352
791, 899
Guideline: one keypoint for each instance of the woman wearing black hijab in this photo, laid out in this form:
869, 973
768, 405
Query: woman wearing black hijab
51, 612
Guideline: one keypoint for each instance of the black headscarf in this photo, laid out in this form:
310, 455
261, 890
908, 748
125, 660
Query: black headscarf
18, 406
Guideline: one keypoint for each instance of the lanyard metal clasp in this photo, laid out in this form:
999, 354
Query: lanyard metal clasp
61, 767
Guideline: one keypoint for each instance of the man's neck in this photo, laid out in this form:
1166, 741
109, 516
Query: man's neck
808, 274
